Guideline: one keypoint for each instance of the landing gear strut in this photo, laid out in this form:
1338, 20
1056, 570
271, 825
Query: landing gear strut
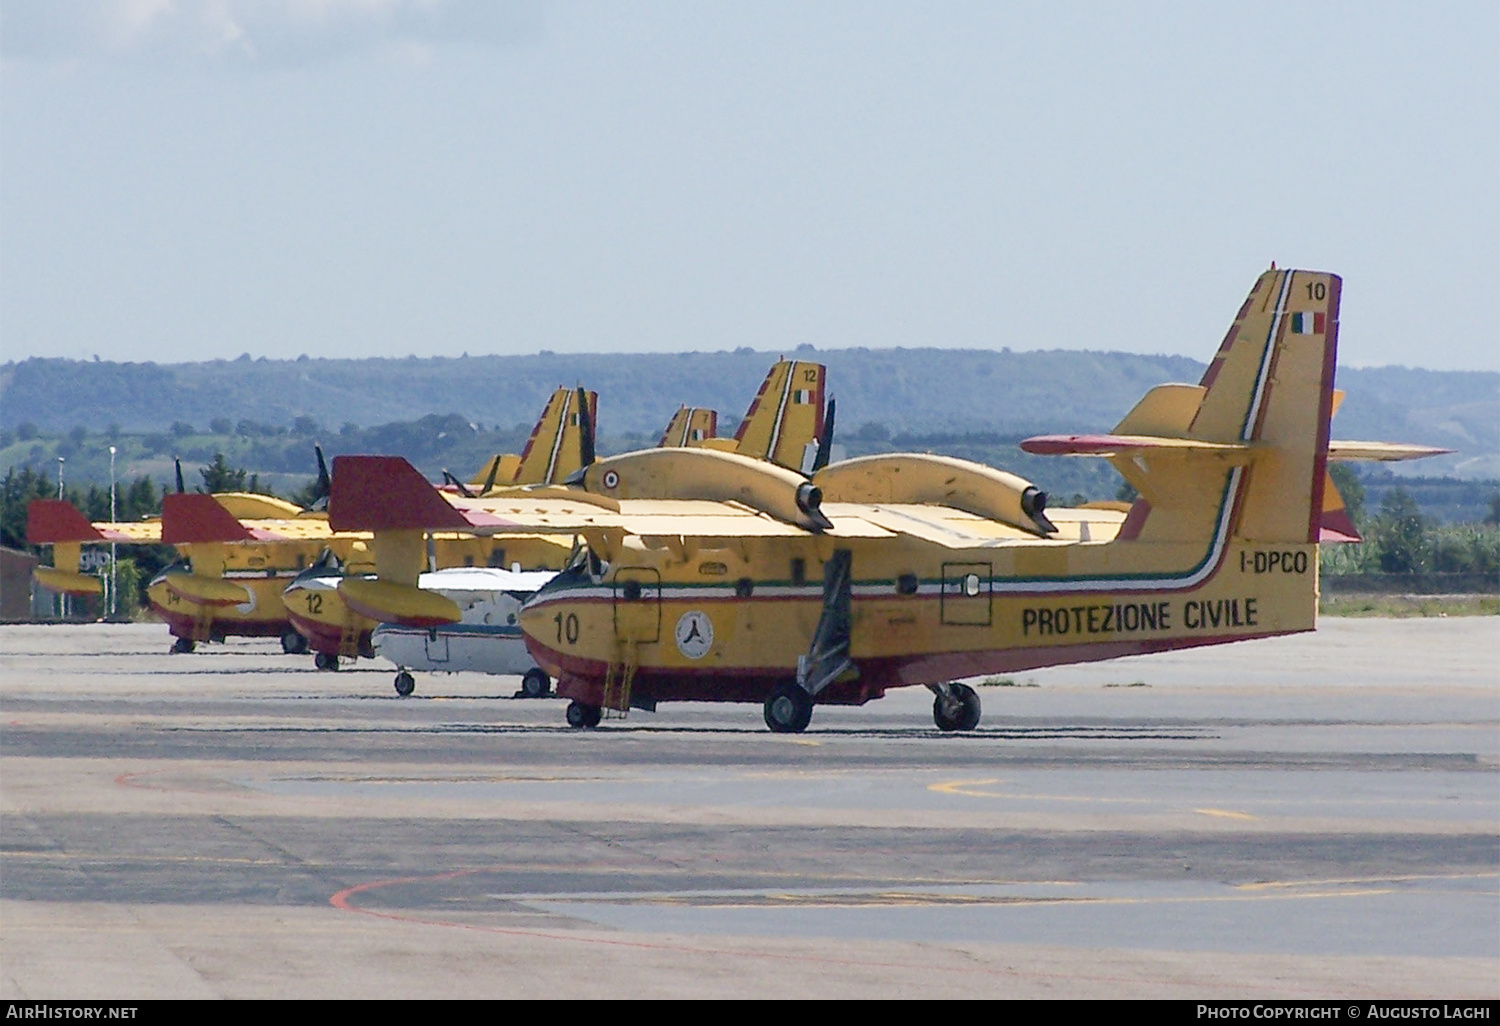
956, 707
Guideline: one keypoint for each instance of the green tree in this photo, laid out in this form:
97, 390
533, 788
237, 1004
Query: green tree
128, 581
1401, 534
219, 476
1351, 489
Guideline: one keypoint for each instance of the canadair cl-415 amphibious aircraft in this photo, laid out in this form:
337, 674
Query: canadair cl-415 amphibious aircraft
705, 576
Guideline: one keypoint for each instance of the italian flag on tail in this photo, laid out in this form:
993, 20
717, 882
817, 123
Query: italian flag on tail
1309, 324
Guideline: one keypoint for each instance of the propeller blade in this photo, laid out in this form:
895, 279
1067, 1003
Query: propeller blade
181, 488
325, 480
323, 485
825, 440
462, 488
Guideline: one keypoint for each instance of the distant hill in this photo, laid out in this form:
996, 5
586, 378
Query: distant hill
918, 392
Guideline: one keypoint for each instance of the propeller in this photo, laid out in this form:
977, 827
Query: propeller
323, 485
463, 489
825, 440
181, 488
489, 482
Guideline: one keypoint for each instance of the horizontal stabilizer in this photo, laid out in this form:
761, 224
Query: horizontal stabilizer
386, 493
49, 521
1133, 445
1385, 452
192, 517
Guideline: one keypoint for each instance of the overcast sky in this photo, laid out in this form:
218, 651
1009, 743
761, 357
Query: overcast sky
196, 179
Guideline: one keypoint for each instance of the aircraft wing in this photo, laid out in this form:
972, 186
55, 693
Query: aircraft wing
189, 517
387, 494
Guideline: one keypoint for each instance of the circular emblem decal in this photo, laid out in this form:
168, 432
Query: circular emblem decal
611, 479
695, 634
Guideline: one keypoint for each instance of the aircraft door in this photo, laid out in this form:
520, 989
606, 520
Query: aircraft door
966, 594
437, 647
637, 604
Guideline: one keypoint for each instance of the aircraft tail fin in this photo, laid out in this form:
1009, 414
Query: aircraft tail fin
1246, 449
561, 443
785, 419
389, 497
191, 517
50, 521
690, 425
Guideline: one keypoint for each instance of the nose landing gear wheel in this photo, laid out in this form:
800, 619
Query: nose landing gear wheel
583, 716
293, 643
958, 711
183, 645
405, 684
324, 661
789, 709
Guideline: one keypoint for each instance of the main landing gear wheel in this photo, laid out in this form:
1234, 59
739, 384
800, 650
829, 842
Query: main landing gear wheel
405, 684
293, 643
583, 716
182, 645
536, 683
789, 709
959, 710
324, 661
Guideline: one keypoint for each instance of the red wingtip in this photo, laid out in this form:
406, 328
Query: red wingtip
386, 493
49, 521
190, 517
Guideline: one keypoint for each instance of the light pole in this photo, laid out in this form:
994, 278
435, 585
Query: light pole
62, 599
114, 577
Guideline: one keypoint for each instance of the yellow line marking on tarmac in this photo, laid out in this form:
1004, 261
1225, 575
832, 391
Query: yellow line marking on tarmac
965, 787
1228, 814
907, 900
1352, 881
970, 789
85, 857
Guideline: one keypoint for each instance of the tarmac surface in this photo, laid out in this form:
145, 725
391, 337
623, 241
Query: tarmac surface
1305, 817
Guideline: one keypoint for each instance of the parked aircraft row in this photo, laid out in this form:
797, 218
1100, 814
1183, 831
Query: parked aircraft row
258, 566
756, 570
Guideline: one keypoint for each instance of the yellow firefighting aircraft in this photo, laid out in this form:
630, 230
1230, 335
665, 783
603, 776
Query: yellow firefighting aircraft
218, 590
561, 442
788, 422
706, 576
237, 565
